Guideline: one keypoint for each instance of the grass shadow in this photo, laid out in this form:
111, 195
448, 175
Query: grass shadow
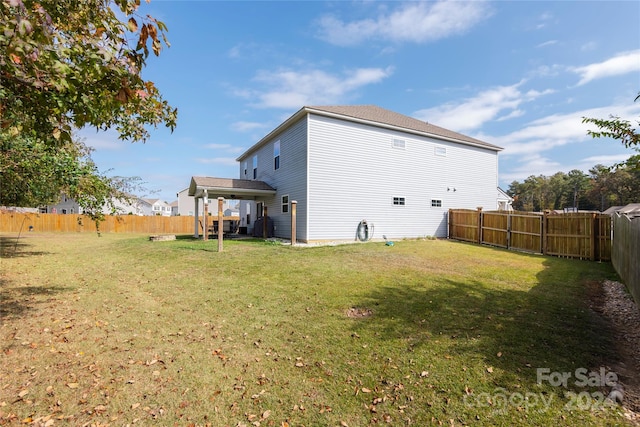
17, 301
515, 330
15, 247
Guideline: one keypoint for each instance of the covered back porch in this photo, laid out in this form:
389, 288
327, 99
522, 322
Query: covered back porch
204, 188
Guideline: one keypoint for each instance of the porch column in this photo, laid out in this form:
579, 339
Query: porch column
294, 205
220, 223
196, 228
205, 219
265, 229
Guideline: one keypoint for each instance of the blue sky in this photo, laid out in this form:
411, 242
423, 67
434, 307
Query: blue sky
520, 75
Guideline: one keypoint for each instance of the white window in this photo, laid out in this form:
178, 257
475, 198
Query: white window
285, 203
436, 203
441, 151
276, 155
398, 143
244, 167
255, 166
398, 201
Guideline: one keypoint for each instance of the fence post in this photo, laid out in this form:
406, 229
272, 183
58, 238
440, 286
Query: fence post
480, 225
449, 224
594, 230
294, 205
508, 230
543, 234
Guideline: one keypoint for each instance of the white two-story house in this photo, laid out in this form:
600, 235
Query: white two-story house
345, 165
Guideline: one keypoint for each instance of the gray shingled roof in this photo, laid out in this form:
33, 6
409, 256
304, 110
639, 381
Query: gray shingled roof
209, 182
377, 114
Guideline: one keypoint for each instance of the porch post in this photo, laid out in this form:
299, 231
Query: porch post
265, 229
220, 223
196, 228
294, 205
205, 220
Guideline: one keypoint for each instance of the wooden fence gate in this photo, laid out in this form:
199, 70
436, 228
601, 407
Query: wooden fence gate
571, 235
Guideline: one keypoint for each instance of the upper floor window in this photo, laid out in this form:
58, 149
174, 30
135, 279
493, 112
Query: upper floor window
398, 143
255, 166
441, 151
244, 167
276, 155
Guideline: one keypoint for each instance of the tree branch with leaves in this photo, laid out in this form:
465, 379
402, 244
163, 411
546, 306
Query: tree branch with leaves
67, 64
622, 130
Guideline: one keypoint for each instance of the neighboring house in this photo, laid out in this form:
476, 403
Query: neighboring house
346, 164
186, 205
66, 205
137, 206
174, 208
504, 200
632, 209
155, 207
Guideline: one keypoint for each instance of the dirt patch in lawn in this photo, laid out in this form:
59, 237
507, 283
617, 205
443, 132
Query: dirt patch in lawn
359, 312
612, 301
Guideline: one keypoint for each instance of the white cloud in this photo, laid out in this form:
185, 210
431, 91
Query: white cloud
605, 159
101, 140
246, 126
557, 130
622, 63
548, 43
223, 147
293, 89
533, 165
225, 161
499, 103
411, 22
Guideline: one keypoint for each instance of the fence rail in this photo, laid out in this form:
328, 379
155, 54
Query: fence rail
572, 235
14, 222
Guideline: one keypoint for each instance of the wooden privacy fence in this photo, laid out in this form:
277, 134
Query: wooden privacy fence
572, 235
625, 253
14, 222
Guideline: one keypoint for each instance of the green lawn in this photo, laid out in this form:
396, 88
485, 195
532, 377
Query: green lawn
119, 330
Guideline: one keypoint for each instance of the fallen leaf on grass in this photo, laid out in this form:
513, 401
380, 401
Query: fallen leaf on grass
23, 393
490, 369
72, 385
266, 414
365, 390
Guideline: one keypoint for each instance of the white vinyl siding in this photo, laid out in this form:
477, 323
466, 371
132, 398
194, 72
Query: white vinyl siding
290, 179
354, 171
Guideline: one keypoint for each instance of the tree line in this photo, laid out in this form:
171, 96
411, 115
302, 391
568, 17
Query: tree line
597, 190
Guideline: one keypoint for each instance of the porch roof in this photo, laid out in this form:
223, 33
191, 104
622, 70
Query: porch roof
231, 188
